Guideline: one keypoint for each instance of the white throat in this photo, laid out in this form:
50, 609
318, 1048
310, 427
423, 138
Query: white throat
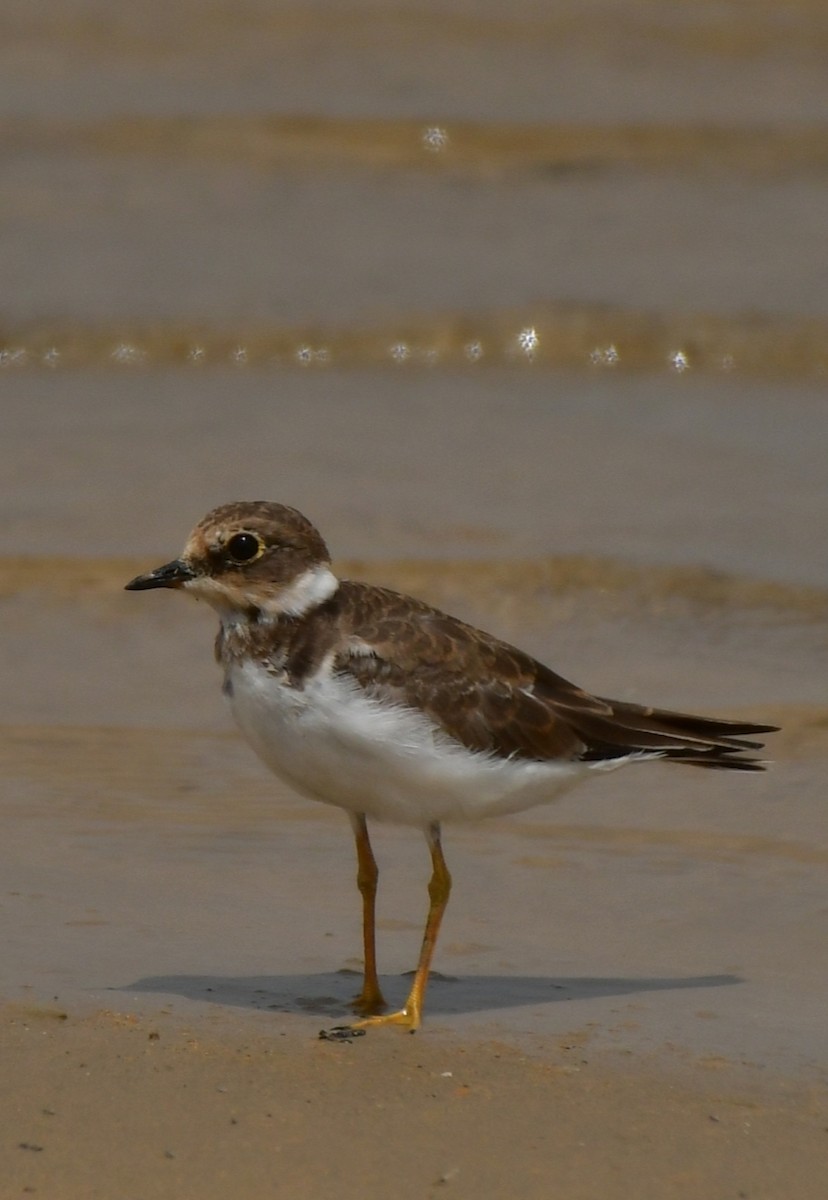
308, 590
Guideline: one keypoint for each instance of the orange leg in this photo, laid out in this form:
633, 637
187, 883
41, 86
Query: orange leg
370, 999
439, 888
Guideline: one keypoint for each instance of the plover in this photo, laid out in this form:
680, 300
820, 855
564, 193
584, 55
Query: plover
379, 704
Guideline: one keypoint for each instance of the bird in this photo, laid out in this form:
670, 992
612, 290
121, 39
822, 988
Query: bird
382, 705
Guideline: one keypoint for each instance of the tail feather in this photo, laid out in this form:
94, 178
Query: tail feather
678, 737
721, 763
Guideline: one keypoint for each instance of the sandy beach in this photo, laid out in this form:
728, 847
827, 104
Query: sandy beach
559, 368
630, 987
136, 1105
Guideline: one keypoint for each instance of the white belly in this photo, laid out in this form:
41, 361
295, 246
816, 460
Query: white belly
334, 744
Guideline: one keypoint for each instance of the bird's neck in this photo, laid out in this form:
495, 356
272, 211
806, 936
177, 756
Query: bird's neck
278, 629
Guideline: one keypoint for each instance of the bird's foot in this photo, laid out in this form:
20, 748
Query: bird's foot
408, 1018
370, 1003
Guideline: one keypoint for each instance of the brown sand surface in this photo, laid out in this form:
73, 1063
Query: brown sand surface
630, 989
527, 310
115, 1104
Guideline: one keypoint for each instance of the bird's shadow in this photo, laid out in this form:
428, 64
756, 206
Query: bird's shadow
329, 994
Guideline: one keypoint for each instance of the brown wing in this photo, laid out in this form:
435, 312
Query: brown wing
493, 697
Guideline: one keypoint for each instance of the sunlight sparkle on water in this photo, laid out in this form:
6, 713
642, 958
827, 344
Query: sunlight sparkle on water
528, 341
128, 355
435, 139
678, 361
604, 356
306, 355
399, 352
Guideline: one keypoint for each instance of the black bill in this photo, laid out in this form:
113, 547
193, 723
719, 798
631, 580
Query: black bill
171, 575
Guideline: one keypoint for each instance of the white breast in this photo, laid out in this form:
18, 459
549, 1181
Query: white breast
334, 744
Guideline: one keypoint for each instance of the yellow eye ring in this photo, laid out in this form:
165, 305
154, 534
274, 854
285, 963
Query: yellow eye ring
245, 547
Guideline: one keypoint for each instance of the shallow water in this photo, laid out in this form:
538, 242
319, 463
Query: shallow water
530, 323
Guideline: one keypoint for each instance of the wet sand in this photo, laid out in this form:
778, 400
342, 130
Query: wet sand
528, 313
217, 1107
630, 988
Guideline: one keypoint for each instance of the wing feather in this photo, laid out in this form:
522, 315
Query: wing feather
492, 697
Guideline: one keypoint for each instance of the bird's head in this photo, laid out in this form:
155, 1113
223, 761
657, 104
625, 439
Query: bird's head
251, 556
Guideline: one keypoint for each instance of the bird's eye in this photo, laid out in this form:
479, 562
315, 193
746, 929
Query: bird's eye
244, 547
